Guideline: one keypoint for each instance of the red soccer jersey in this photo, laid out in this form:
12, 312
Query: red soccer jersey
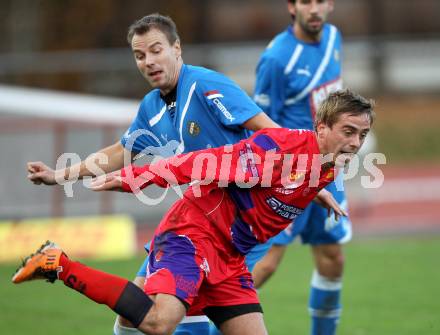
265, 181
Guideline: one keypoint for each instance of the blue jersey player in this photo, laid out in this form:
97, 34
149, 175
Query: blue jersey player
299, 68
189, 108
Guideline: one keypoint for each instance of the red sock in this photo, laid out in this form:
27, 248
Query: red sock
99, 286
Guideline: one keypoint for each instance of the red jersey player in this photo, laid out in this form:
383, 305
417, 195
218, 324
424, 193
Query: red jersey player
241, 195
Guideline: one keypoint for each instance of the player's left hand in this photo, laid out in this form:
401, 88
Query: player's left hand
109, 182
326, 200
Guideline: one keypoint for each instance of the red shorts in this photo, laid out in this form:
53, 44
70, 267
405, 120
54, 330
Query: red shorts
192, 260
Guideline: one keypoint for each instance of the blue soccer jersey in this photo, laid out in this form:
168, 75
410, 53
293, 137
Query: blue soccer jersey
208, 112
294, 77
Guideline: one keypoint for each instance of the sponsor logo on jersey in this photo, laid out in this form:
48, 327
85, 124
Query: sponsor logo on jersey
214, 95
286, 211
319, 94
223, 109
193, 128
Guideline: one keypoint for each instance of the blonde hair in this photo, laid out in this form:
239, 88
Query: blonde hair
343, 102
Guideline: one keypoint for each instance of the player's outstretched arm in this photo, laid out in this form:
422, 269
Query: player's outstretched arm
109, 182
40, 173
239, 163
326, 200
260, 121
104, 161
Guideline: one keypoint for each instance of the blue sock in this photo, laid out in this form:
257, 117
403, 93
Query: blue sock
324, 304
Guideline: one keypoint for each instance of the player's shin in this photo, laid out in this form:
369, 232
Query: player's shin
119, 294
324, 304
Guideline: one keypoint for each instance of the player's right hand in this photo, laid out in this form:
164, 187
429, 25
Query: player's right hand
109, 182
40, 173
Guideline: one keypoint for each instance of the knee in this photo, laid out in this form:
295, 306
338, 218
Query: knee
330, 264
156, 327
159, 323
337, 260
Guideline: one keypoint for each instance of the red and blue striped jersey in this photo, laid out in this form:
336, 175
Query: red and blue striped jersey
266, 181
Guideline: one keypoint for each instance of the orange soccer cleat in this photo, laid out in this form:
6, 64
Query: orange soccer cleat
43, 264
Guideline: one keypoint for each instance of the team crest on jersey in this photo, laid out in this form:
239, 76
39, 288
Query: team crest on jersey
295, 179
294, 176
193, 128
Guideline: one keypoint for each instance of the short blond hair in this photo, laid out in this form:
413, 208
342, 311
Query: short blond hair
344, 102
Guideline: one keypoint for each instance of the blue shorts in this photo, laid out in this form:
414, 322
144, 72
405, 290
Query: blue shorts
193, 328
315, 227
142, 272
257, 253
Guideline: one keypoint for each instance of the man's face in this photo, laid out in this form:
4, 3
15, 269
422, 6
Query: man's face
310, 15
345, 137
158, 60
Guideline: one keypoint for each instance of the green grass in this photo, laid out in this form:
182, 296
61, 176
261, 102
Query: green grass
392, 286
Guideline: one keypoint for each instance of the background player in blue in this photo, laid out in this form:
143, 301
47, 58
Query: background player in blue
299, 68
189, 108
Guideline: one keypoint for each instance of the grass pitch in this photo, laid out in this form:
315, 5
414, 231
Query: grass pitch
391, 286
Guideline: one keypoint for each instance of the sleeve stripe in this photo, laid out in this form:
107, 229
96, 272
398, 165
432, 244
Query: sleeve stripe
181, 146
155, 119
